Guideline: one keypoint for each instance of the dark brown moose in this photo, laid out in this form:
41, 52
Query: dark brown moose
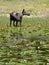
17, 17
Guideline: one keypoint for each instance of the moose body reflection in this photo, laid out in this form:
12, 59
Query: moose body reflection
17, 17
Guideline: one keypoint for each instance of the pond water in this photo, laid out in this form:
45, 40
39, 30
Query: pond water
25, 53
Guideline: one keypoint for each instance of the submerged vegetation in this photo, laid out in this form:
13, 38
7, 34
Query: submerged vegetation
28, 45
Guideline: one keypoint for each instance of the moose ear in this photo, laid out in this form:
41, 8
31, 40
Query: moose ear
23, 9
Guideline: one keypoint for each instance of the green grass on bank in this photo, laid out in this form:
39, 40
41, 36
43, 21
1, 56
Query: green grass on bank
31, 5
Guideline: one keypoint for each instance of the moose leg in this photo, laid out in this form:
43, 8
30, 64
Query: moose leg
20, 22
13, 23
10, 22
16, 23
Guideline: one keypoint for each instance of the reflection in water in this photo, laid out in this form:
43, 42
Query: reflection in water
36, 53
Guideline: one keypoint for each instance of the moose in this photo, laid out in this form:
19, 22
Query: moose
17, 17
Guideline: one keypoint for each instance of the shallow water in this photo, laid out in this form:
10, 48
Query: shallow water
25, 53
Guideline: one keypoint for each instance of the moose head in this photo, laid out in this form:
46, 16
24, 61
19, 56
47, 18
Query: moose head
25, 12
